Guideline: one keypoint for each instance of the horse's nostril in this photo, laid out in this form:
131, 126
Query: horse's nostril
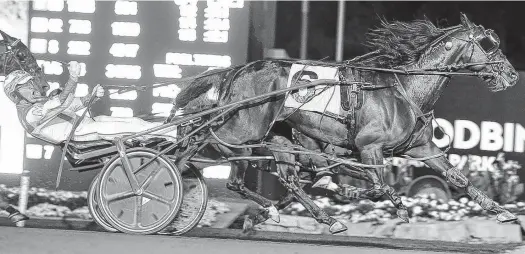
513, 75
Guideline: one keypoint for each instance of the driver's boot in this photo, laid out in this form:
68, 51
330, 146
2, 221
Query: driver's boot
15, 215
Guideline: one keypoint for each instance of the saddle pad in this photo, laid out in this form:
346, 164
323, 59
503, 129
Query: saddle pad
314, 98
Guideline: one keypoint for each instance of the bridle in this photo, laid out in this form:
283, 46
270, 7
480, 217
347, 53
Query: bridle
490, 53
488, 43
488, 34
481, 41
11, 52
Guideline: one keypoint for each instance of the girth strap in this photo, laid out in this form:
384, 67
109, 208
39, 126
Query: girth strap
351, 99
352, 95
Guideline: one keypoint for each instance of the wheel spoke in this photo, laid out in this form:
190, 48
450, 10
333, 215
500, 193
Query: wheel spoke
152, 196
119, 196
126, 164
138, 211
150, 177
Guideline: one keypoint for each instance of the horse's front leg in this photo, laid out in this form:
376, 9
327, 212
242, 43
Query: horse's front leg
263, 215
454, 176
373, 155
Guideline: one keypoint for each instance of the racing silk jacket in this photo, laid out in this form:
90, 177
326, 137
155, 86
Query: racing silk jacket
45, 111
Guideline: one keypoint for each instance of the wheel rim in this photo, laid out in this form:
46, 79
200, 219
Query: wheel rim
150, 211
429, 185
193, 204
93, 207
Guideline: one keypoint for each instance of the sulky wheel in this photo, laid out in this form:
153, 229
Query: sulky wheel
94, 209
193, 204
152, 206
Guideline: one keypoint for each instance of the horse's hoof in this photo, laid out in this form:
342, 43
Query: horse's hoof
18, 217
506, 216
247, 226
274, 214
337, 227
403, 215
326, 183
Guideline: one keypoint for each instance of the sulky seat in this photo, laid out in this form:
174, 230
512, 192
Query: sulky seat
88, 153
81, 147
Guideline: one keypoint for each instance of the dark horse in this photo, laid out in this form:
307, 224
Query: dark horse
391, 122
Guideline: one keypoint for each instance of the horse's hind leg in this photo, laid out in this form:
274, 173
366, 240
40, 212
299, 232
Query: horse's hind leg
236, 183
454, 176
262, 214
373, 155
288, 176
291, 182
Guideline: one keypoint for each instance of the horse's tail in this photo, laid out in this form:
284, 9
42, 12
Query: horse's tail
194, 88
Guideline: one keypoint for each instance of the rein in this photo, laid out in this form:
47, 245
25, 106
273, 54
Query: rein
142, 88
440, 71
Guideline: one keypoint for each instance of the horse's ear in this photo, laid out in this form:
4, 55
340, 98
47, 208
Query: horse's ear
7, 38
3, 39
465, 21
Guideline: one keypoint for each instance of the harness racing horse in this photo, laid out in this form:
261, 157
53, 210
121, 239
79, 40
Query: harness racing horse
314, 144
393, 119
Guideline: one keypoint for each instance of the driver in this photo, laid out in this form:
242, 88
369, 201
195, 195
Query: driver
51, 118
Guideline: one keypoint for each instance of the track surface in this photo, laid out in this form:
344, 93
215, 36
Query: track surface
51, 241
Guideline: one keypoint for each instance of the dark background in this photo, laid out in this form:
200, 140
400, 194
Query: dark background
503, 17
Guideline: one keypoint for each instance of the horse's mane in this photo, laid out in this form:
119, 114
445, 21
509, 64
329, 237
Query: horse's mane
398, 43
392, 44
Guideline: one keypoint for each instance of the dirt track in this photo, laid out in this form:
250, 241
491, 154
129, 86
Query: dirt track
36, 241
52, 241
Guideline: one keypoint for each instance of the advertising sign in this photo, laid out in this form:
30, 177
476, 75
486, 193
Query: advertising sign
479, 124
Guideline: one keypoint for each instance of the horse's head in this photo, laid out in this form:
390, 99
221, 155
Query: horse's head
482, 46
15, 55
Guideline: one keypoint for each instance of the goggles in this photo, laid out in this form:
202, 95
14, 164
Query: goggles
489, 42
